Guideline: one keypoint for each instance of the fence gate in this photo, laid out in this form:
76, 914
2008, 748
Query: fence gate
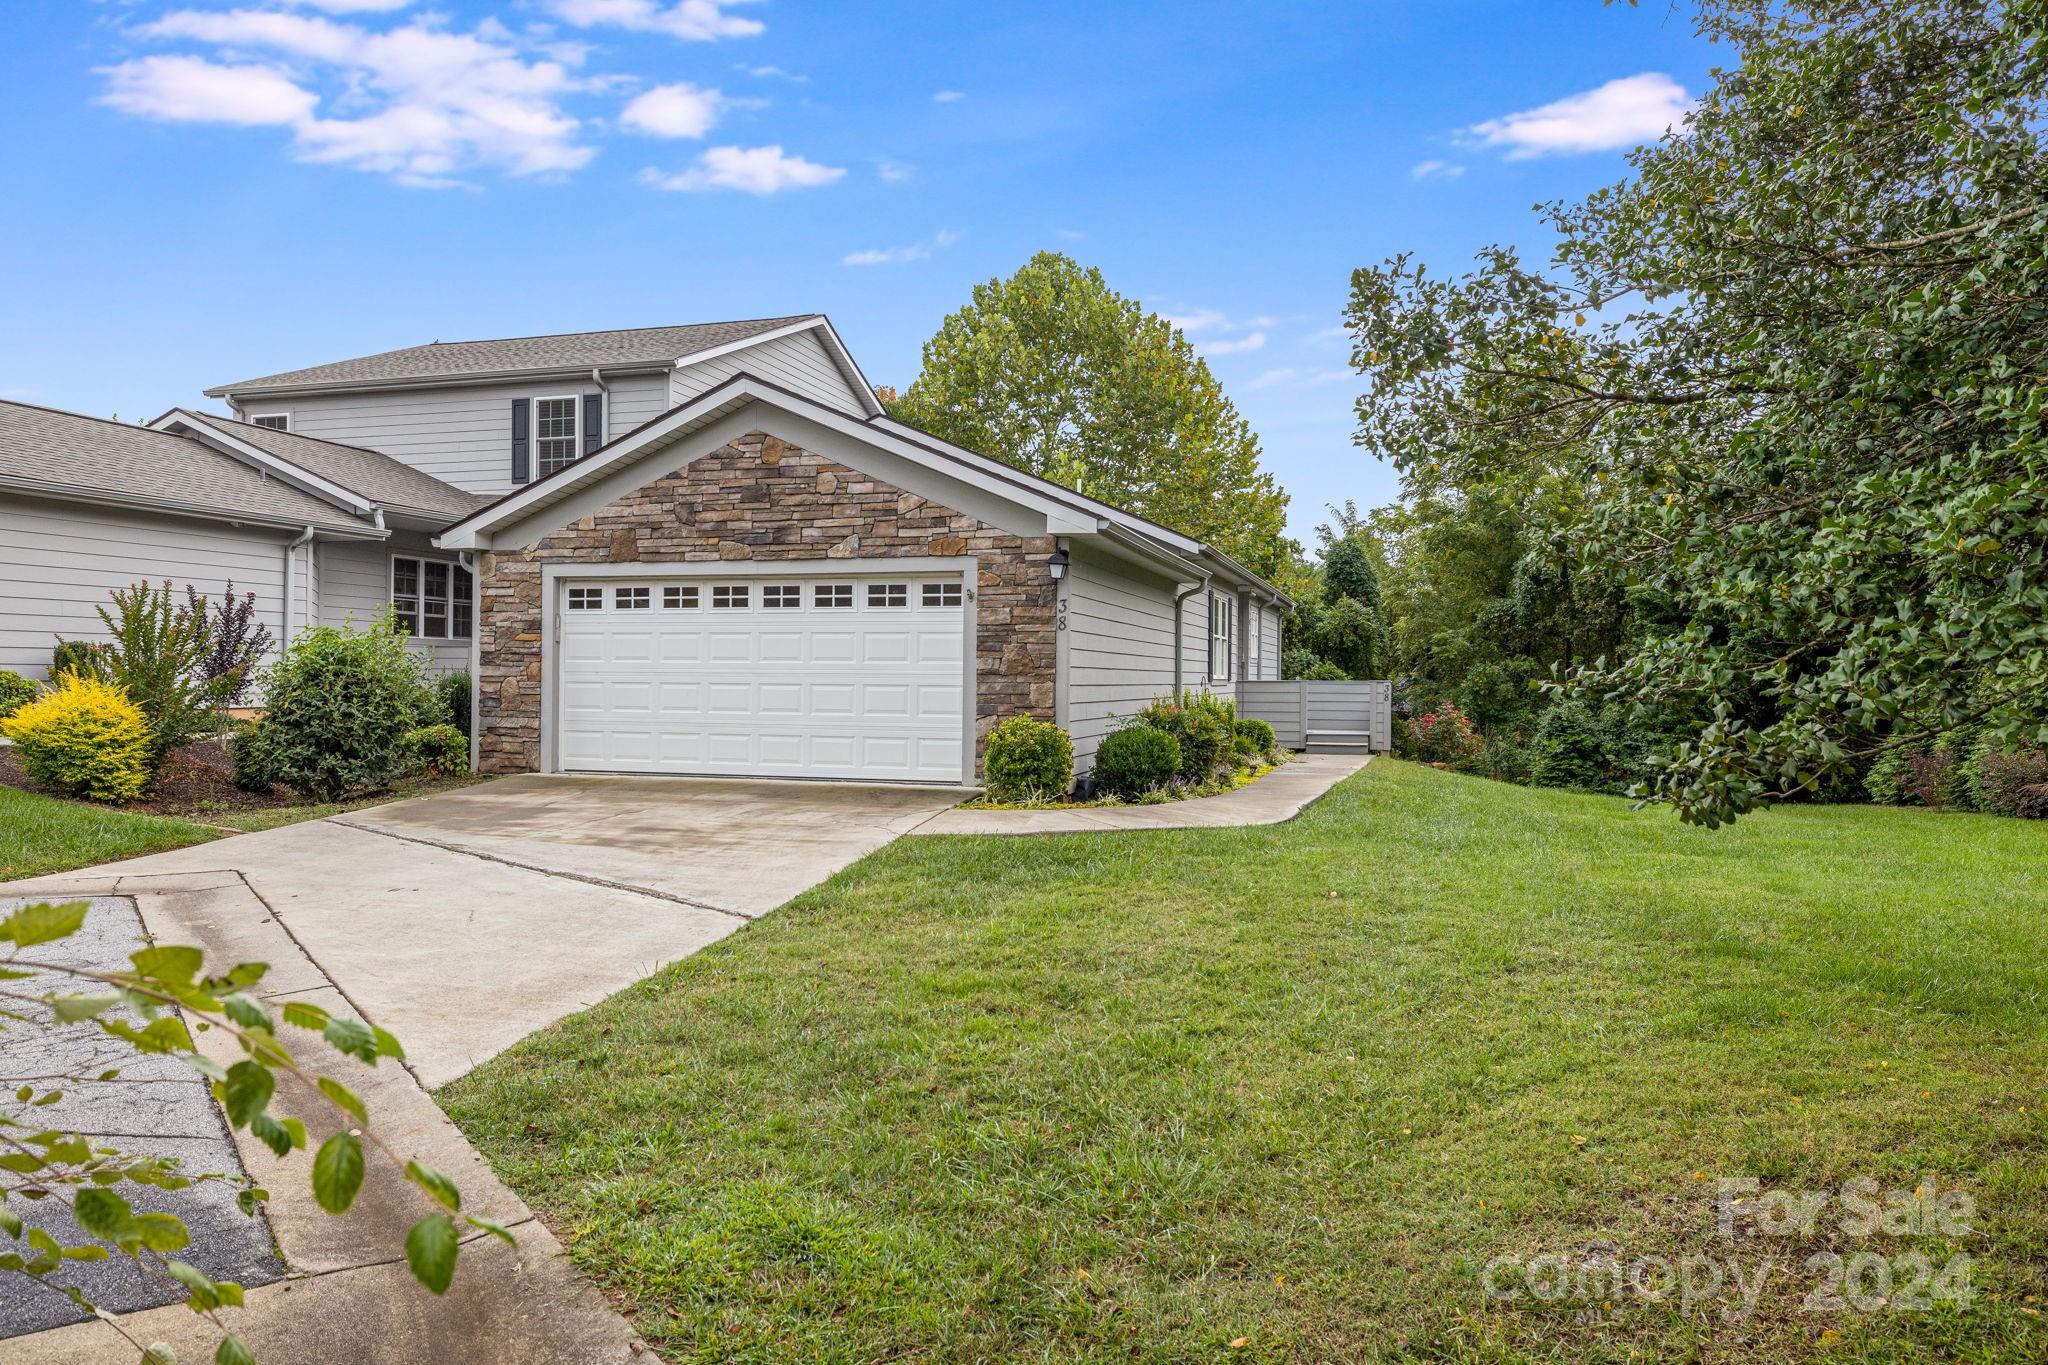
1324, 717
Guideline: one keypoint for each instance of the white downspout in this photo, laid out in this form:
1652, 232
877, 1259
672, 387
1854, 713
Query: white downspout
605, 430
467, 559
291, 565
1179, 620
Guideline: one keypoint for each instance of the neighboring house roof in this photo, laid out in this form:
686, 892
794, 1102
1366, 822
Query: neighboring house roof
69, 455
1066, 512
373, 475
638, 346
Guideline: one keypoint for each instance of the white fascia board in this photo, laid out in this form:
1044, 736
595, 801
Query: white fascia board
1086, 505
828, 336
473, 532
241, 396
195, 424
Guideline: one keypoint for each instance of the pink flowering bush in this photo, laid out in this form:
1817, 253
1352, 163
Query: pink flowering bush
1444, 735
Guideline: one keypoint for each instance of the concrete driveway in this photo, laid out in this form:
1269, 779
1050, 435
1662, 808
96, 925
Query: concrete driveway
462, 923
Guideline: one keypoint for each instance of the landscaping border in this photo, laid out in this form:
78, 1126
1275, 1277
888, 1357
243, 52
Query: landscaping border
1280, 795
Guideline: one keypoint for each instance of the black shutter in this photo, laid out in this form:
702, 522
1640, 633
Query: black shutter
593, 421
522, 467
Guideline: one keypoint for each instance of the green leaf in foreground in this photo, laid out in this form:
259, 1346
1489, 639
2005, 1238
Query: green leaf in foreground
247, 1091
430, 1250
434, 1183
337, 1172
43, 923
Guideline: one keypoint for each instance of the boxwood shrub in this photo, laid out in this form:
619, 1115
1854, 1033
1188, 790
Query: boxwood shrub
1135, 760
15, 692
339, 704
1255, 738
1028, 760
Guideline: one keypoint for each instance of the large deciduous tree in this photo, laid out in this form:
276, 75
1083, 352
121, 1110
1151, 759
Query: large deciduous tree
1054, 372
1798, 364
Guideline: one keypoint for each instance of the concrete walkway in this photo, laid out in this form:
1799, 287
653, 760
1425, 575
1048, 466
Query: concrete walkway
1280, 795
348, 1296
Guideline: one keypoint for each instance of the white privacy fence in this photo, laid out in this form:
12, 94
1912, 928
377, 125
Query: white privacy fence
1307, 715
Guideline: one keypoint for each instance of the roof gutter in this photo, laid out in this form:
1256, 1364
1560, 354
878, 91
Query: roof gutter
101, 497
233, 392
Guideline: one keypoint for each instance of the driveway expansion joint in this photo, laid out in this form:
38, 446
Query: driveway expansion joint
583, 877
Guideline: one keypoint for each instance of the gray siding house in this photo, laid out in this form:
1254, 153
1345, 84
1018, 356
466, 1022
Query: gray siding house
701, 549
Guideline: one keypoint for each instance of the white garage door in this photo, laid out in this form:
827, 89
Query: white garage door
810, 675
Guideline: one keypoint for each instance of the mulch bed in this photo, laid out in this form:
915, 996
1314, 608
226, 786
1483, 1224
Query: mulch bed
196, 778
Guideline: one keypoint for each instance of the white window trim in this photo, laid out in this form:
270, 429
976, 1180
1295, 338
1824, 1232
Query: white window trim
256, 419
419, 614
575, 402
1223, 643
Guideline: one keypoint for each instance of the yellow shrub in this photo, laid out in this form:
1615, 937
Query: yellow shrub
82, 737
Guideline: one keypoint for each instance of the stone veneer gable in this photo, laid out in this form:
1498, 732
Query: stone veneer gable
761, 498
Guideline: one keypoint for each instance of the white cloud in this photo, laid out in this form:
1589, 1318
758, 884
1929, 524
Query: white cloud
1200, 320
900, 255
773, 73
1292, 378
1069, 234
948, 96
679, 110
1251, 341
894, 172
416, 102
1436, 170
755, 170
193, 90
353, 6
699, 21
1621, 113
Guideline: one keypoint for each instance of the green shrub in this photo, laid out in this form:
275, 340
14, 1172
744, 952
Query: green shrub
1203, 725
1135, 760
159, 653
249, 752
1028, 760
1502, 758
83, 737
78, 656
452, 689
437, 750
15, 692
1569, 749
2000, 782
1256, 738
340, 701
1885, 783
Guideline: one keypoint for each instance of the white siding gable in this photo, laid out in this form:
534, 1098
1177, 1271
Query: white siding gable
798, 362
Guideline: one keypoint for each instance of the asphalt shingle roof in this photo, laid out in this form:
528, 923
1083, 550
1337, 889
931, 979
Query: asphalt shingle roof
369, 473
69, 451
570, 350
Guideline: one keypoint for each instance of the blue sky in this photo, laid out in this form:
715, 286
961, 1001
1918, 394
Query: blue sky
204, 190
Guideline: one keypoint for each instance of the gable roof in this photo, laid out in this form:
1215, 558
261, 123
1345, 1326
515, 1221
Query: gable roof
645, 346
1066, 512
69, 455
371, 474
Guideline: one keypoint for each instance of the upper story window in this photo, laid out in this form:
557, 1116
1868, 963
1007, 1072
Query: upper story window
430, 599
1222, 635
554, 433
276, 421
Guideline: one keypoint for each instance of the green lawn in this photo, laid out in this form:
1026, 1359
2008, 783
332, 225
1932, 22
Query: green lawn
1281, 1093
40, 834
